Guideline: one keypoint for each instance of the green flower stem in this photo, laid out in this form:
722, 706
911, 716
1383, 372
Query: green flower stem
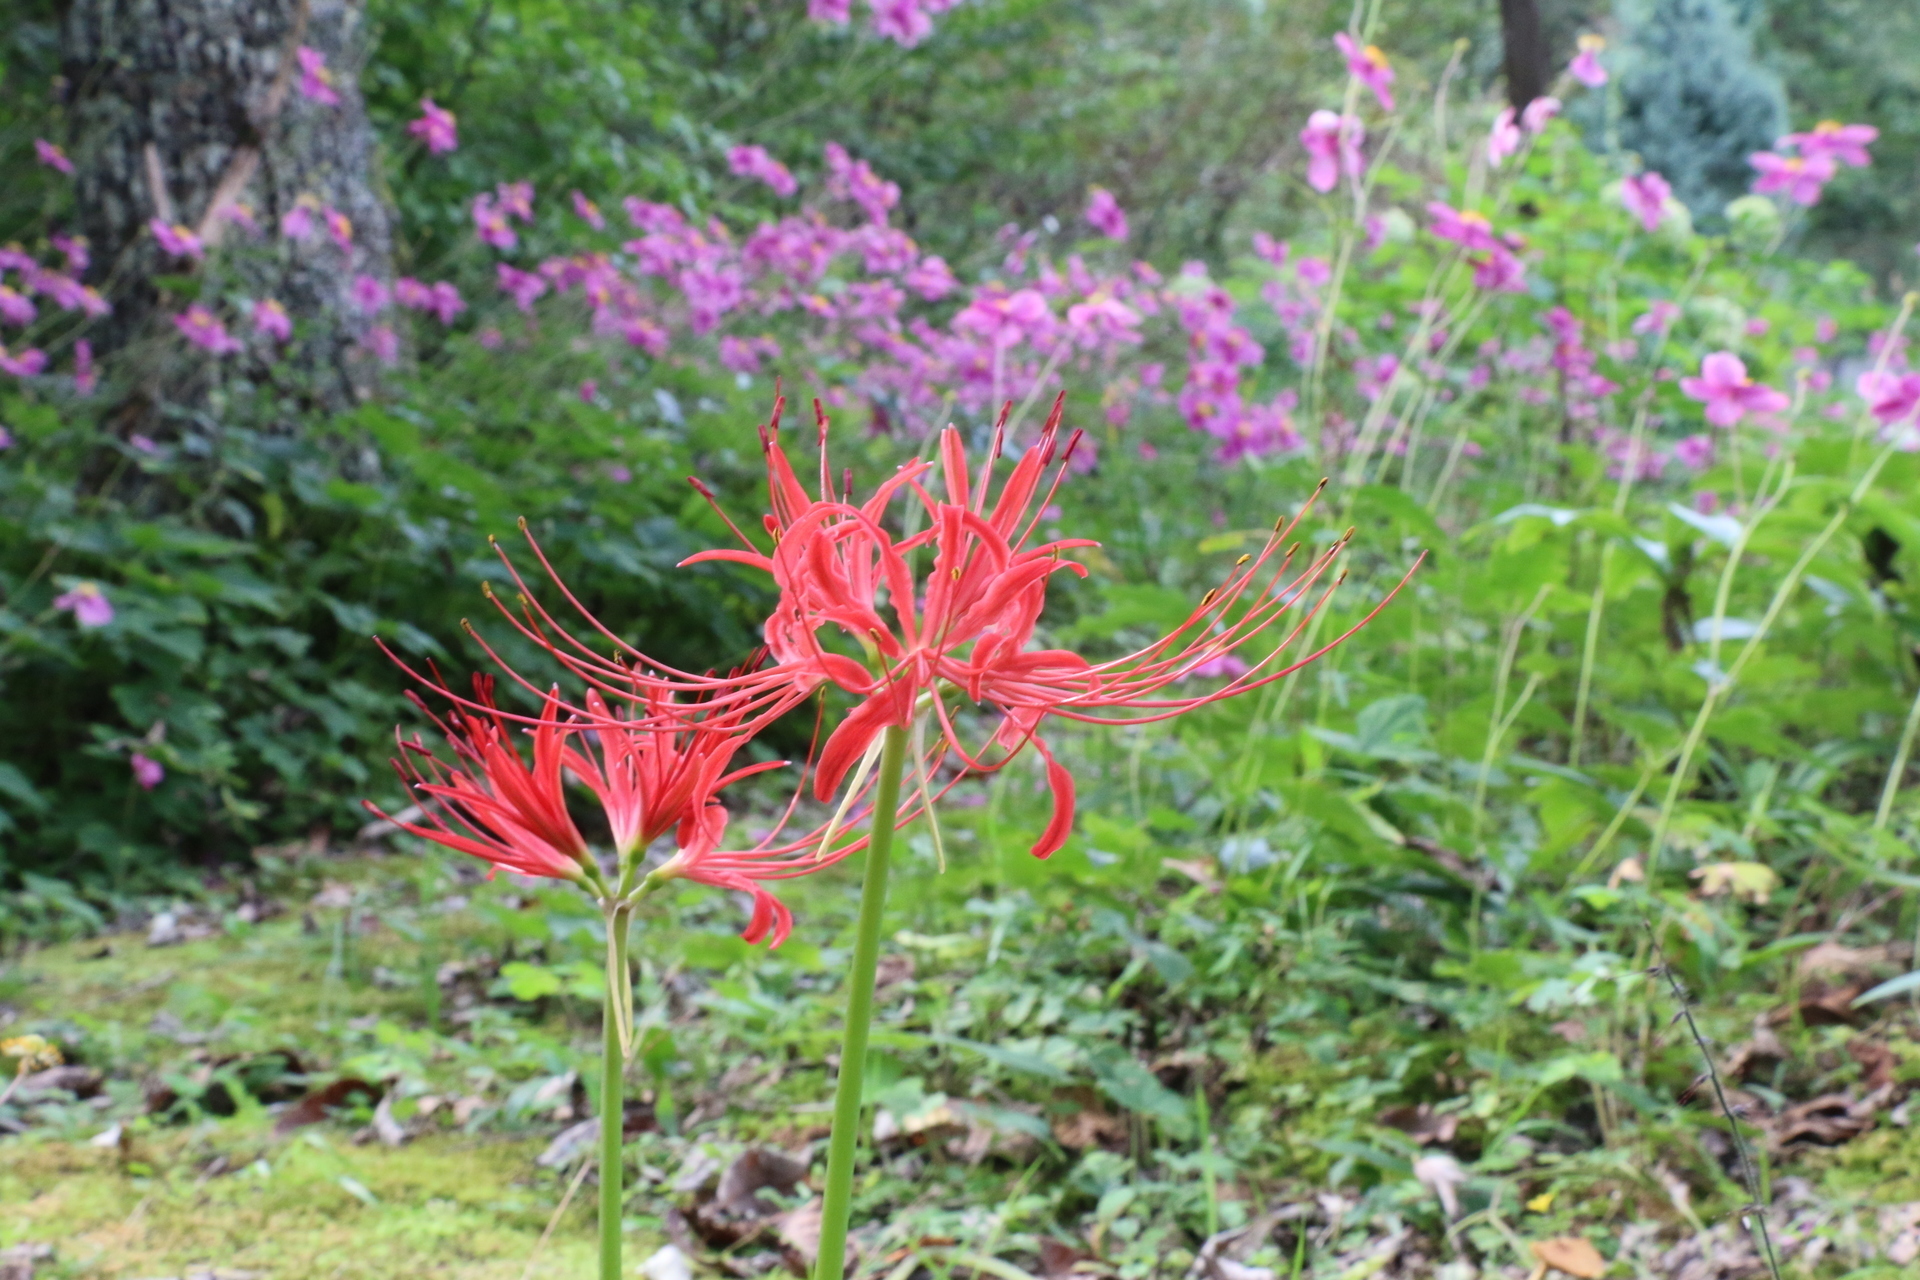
612, 1109
838, 1204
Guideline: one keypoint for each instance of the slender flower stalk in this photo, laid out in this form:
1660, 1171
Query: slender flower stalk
837, 1202
945, 620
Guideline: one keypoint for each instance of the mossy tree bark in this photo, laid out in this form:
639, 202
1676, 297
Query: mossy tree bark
180, 108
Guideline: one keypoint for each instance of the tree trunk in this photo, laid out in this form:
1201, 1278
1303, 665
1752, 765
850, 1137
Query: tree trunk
183, 109
1525, 43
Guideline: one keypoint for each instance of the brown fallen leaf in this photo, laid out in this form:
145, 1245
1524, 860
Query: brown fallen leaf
1571, 1254
1833, 960
1876, 1060
1090, 1126
737, 1211
321, 1103
758, 1169
1824, 1006
389, 1130
1058, 1258
798, 1232
1196, 870
1762, 1046
893, 969
1420, 1123
1828, 1120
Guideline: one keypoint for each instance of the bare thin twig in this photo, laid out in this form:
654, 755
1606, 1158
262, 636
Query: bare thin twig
1755, 1218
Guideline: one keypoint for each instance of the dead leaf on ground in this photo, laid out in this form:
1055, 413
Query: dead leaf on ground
1420, 1123
1197, 870
1876, 1060
333, 895
1762, 1046
568, 1143
893, 968
389, 1130
1057, 1258
983, 1139
1834, 960
739, 1209
1828, 1120
1822, 1005
1572, 1254
758, 1169
1750, 1107
1090, 1126
16, 1263
322, 1103
798, 1231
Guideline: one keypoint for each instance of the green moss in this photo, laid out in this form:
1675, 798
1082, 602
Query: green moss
296, 1207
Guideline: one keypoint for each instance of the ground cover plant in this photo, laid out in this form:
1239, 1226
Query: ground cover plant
1556, 918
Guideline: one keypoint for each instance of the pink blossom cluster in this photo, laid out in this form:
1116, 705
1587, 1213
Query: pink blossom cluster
30, 280
1495, 258
436, 127
1801, 164
755, 162
1222, 354
905, 22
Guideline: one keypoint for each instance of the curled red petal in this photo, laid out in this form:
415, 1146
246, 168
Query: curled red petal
1060, 782
887, 706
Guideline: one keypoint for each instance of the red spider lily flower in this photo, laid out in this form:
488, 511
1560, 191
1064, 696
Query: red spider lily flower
655, 774
963, 626
489, 802
966, 626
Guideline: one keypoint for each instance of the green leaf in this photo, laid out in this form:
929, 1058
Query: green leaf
529, 982
1891, 987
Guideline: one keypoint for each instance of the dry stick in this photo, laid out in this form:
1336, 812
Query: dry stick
554, 1221
1755, 1218
1899, 769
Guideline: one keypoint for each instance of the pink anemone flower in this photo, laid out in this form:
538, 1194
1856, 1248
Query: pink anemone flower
1369, 66
52, 156
1645, 195
1799, 178
1585, 66
1105, 215
437, 127
316, 79
1846, 143
1729, 394
1333, 145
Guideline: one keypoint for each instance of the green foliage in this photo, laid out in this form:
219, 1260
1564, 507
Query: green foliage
252, 571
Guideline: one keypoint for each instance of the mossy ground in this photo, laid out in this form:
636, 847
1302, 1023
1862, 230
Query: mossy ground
441, 1206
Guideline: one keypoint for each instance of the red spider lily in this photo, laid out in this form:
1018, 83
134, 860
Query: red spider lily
964, 626
489, 803
652, 774
977, 609
656, 773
